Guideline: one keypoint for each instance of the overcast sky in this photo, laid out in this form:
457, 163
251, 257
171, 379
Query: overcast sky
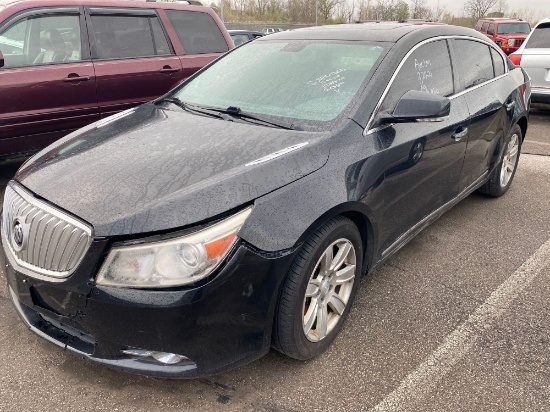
456, 6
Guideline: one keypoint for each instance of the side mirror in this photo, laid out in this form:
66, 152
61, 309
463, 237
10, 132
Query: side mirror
1, 59
416, 106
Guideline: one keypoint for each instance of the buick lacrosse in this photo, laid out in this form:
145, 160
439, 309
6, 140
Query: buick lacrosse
237, 212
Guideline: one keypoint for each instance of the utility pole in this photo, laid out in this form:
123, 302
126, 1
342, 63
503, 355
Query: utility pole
316, 11
221, 9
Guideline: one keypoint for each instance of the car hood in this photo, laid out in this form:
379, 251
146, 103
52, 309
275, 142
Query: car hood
154, 169
512, 36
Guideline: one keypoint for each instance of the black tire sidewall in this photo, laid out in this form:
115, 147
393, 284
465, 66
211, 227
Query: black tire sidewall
343, 229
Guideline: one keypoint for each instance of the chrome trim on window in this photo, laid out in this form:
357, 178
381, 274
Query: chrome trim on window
367, 131
40, 240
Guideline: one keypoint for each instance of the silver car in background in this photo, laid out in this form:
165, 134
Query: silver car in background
534, 57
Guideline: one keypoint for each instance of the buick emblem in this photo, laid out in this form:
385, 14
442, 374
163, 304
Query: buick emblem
19, 234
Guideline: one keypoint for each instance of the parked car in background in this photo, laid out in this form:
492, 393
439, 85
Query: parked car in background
271, 30
192, 233
67, 64
509, 34
534, 57
244, 36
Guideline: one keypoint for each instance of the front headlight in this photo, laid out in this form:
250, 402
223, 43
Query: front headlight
511, 42
173, 262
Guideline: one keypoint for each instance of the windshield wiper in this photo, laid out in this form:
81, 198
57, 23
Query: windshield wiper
254, 118
231, 111
192, 108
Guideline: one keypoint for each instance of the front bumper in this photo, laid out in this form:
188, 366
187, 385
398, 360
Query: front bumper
220, 324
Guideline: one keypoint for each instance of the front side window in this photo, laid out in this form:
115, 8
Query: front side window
475, 62
39, 40
123, 37
428, 69
540, 38
306, 81
512, 28
198, 32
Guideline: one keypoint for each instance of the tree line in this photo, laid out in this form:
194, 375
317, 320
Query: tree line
347, 11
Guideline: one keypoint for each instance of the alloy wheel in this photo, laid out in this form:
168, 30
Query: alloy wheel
329, 289
509, 160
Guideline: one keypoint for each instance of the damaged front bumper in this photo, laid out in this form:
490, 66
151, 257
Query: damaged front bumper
223, 323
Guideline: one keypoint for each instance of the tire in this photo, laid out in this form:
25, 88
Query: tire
501, 178
326, 299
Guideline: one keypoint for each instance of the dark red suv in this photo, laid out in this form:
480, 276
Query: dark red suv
66, 63
509, 34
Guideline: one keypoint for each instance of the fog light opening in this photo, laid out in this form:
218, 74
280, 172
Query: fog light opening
162, 357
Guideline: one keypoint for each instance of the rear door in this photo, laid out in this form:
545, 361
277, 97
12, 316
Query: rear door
536, 59
47, 85
134, 61
491, 98
200, 36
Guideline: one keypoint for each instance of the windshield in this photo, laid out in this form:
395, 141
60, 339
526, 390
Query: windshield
509, 28
305, 82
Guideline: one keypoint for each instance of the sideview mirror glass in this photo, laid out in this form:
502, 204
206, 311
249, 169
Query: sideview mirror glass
416, 106
1, 59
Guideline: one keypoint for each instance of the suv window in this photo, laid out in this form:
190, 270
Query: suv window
498, 63
491, 29
475, 62
484, 27
119, 37
428, 69
39, 40
198, 32
540, 38
512, 28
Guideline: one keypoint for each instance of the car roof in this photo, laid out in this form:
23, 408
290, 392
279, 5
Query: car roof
384, 32
503, 20
546, 20
28, 4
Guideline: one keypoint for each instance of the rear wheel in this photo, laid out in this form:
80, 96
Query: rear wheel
318, 291
501, 178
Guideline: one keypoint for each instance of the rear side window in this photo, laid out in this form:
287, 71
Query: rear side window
428, 69
498, 63
475, 62
119, 37
540, 38
484, 27
491, 30
198, 32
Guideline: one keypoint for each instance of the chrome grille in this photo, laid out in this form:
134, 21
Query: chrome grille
53, 243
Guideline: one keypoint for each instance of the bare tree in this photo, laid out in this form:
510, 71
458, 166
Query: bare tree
479, 8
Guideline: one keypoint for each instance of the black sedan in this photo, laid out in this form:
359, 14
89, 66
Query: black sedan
244, 36
238, 211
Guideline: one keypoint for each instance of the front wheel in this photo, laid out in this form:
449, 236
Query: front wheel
318, 291
501, 178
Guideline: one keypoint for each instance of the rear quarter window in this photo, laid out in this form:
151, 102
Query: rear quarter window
197, 31
498, 62
540, 38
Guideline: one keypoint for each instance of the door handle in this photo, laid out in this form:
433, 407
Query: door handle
460, 133
73, 77
168, 69
510, 105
